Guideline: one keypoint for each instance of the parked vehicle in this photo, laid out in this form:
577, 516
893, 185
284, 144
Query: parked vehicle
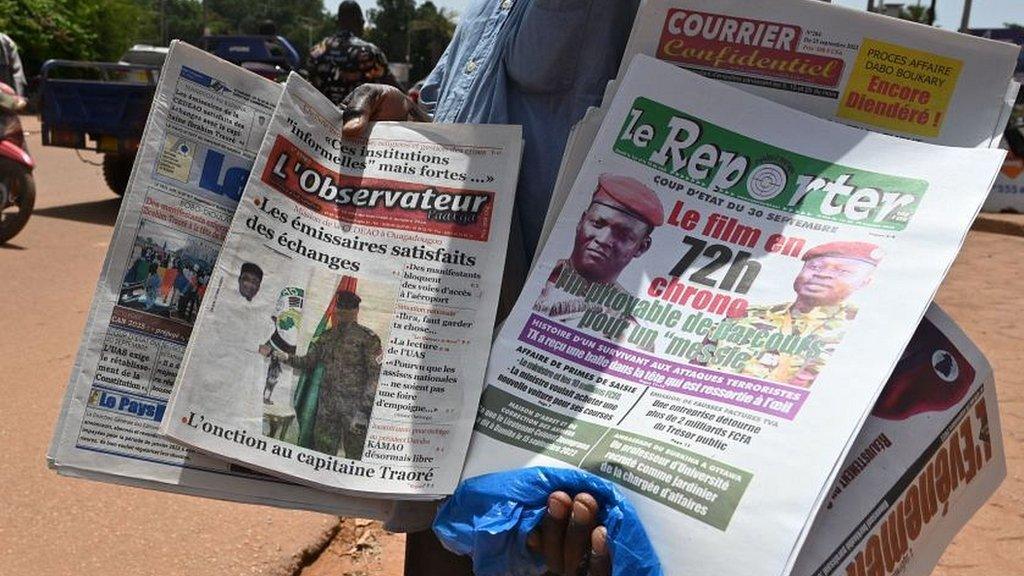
99, 106
17, 187
272, 57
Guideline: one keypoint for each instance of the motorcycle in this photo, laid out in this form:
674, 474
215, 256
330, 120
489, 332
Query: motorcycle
17, 187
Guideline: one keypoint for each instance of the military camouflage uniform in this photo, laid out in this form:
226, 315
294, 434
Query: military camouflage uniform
350, 355
827, 323
339, 64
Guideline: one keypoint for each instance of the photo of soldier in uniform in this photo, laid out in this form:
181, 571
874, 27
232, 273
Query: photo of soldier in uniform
795, 339
614, 230
332, 374
168, 272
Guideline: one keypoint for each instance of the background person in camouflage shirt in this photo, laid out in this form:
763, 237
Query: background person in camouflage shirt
340, 63
790, 343
350, 355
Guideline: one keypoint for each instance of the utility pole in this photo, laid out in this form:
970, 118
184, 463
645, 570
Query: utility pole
871, 5
965, 19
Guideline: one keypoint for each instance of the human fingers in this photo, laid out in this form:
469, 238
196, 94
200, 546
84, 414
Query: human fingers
370, 103
552, 530
600, 558
582, 522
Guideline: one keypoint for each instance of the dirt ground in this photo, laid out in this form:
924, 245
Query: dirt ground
360, 548
58, 526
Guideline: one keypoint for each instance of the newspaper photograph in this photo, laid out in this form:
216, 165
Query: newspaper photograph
721, 266
345, 335
859, 68
205, 128
929, 455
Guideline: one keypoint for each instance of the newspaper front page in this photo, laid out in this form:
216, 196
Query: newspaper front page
345, 337
739, 43
721, 266
925, 461
206, 125
867, 70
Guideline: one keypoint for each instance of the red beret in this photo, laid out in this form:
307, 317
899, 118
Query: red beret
630, 196
863, 251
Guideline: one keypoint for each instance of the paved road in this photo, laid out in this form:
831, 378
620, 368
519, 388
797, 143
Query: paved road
55, 526
51, 525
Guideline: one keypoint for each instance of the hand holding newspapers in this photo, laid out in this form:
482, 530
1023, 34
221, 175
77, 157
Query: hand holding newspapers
204, 130
714, 278
345, 337
911, 454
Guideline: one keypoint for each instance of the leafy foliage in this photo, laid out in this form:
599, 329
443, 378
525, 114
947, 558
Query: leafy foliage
74, 29
406, 32
103, 29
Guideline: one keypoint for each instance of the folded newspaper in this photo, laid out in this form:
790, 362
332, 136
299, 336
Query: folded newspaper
346, 333
926, 459
721, 267
868, 70
204, 130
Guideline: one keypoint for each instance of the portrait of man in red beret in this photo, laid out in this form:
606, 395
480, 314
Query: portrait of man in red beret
791, 342
614, 230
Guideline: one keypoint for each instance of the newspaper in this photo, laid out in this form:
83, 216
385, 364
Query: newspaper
205, 127
925, 461
981, 93
863, 69
673, 363
345, 338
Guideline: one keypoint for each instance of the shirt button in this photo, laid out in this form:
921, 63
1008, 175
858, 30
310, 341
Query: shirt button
506, 4
470, 66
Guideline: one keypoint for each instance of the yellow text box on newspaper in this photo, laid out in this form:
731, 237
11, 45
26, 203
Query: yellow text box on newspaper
900, 89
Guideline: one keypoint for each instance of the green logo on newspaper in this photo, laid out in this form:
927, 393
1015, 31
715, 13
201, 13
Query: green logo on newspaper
715, 160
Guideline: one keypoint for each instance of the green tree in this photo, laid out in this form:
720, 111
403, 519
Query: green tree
391, 24
298, 20
183, 21
432, 30
71, 29
409, 33
919, 13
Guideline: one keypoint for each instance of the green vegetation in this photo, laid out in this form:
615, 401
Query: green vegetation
103, 29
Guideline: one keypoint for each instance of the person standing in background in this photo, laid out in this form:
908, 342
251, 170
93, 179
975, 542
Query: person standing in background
538, 64
11, 71
340, 63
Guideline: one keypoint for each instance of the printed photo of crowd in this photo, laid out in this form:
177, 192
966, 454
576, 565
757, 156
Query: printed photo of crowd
168, 273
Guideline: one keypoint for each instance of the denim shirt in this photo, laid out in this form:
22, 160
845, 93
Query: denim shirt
537, 63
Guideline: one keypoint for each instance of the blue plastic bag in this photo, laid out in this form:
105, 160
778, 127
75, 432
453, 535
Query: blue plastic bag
489, 518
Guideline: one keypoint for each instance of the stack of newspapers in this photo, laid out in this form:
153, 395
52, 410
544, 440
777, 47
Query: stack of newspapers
729, 315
